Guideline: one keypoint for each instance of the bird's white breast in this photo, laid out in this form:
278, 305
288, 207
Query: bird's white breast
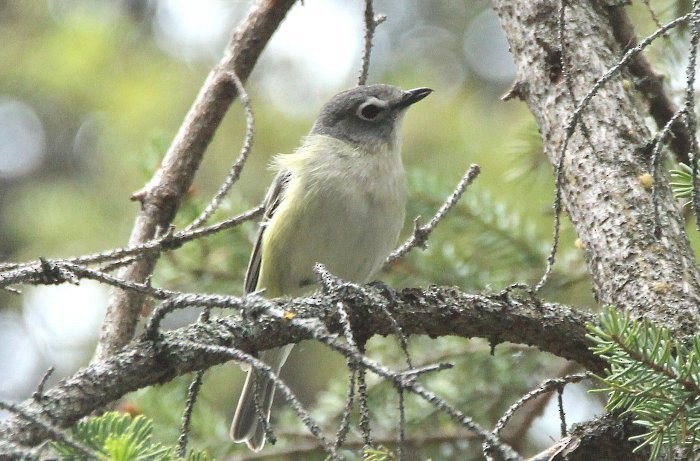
343, 208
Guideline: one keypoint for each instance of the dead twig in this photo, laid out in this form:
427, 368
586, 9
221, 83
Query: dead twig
422, 232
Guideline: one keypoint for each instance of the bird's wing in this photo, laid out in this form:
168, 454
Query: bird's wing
272, 201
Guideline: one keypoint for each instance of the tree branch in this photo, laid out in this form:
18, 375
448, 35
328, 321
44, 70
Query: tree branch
371, 23
436, 311
161, 197
421, 233
606, 438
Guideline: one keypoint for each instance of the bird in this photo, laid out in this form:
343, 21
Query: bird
338, 200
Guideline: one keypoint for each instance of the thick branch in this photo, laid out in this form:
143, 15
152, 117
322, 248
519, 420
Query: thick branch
609, 206
607, 438
436, 311
161, 197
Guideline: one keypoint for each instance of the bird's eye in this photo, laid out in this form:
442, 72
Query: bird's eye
369, 111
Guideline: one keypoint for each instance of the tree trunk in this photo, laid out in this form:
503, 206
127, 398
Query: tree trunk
652, 274
612, 210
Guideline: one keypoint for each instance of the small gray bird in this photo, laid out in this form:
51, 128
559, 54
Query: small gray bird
339, 200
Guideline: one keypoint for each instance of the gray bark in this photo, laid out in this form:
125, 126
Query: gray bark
652, 276
435, 311
610, 208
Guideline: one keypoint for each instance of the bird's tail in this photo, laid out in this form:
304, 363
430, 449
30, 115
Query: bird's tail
246, 426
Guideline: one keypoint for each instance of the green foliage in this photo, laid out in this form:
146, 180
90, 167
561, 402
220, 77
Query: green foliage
525, 148
652, 377
682, 184
377, 454
119, 437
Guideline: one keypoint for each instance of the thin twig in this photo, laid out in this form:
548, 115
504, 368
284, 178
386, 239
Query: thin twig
237, 167
329, 280
40, 388
357, 371
141, 288
616, 69
402, 426
547, 386
535, 408
421, 233
559, 167
655, 164
51, 272
174, 241
413, 373
192, 394
286, 392
363, 397
303, 449
181, 301
371, 23
342, 432
26, 272
564, 62
652, 13
347, 327
356, 368
403, 339
562, 415
186, 420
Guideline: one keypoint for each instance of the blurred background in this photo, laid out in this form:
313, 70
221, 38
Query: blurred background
91, 94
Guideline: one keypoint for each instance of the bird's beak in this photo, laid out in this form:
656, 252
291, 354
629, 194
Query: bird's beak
413, 96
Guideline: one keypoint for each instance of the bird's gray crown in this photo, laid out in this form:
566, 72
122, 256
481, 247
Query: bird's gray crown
366, 115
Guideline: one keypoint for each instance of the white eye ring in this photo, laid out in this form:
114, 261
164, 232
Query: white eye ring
370, 109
